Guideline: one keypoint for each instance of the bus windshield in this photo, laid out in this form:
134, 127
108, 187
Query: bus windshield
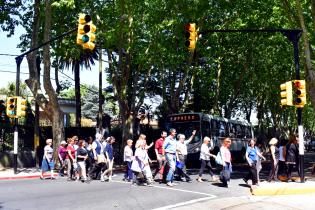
187, 128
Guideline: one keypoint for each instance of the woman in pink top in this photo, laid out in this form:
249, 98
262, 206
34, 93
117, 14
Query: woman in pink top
226, 157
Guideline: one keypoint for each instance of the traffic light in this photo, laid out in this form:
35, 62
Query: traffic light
21, 107
299, 93
86, 32
286, 94
11, 107
191, 36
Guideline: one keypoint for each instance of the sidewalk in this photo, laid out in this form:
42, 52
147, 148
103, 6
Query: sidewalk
22, 173
34, 173
280, 202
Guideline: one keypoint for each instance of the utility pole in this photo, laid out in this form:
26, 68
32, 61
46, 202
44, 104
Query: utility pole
100, 94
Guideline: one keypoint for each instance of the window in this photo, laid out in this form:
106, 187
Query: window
222, 129
214, 128
239, 131
206, 129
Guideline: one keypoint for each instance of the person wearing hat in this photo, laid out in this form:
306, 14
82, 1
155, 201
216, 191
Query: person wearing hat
48, 162
62, 152
274, 151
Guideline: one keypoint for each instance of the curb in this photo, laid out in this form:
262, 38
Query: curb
25, 177
284, 189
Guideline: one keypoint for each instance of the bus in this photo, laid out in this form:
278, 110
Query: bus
217, 128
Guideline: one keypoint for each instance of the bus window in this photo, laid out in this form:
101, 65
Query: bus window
205, 129
214, 128
248, 133
222, 129
239, 132
232, 132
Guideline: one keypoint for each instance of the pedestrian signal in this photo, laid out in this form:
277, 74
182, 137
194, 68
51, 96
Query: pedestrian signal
86, 32
286, 94
299, 93
191, 36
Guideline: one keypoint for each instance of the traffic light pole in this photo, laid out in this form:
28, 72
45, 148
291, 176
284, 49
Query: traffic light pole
294, 38
18, 61
293, 35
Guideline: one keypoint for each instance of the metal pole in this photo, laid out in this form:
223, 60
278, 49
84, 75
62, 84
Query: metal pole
100, 94
18, 61
294, 37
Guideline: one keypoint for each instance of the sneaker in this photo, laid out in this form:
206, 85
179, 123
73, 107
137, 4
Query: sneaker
245, 180
214, 179
149, 185
170, 184
102, 179
199, 180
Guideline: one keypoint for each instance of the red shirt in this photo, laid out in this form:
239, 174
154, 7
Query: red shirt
159, 145
72, 150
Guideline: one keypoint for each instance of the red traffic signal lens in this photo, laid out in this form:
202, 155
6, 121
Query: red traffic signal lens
297, 84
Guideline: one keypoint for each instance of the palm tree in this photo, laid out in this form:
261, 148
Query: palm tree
86, 59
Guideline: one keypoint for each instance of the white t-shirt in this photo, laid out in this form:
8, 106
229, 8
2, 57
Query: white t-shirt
181, 147
204, 152
128, 153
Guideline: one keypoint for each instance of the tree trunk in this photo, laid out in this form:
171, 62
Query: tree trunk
50, 107
310, 74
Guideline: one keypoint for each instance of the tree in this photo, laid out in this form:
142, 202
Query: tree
49, 105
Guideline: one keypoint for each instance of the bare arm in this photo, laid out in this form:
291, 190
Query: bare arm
191, 137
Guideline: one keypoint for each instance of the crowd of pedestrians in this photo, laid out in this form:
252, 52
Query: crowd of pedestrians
85, 160
283, 157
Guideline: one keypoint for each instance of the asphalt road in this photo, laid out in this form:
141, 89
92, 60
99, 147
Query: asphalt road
61, 194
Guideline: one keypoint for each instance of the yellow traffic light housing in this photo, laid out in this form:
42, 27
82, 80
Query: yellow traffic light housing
299, 93
86, 32
11, 107
191, 36
21, 107
286, 94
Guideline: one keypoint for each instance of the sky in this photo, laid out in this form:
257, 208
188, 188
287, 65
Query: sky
8, 65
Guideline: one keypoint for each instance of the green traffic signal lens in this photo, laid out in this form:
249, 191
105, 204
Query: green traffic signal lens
85, 38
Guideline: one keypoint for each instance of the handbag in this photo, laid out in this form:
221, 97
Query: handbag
218, 159
101, 158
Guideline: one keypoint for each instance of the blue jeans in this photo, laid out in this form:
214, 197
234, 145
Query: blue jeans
128, 173
171, 162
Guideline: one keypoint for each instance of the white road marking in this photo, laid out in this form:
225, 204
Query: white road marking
184, 203
209, 196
